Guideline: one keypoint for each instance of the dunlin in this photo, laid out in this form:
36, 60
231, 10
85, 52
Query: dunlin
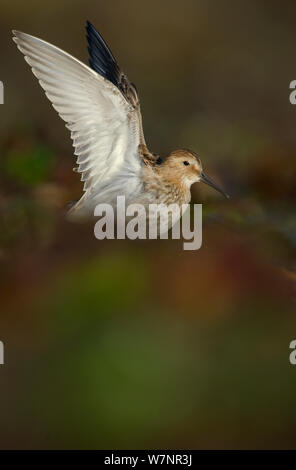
101, 108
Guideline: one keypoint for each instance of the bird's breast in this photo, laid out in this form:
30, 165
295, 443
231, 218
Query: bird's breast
159, 190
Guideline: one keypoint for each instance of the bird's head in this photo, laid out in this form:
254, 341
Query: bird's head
188, 167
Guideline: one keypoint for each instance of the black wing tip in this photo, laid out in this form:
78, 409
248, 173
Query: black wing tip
90, 29
101, 59
93, 35
89, 25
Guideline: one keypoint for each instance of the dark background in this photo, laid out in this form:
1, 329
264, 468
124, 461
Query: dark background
121, 344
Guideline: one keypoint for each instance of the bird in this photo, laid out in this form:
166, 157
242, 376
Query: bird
101, 108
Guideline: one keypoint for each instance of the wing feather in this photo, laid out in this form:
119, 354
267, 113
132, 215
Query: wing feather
105, 127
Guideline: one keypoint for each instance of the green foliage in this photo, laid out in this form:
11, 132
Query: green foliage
31, 167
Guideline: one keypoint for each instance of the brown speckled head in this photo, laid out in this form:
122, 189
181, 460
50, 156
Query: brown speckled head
186, 165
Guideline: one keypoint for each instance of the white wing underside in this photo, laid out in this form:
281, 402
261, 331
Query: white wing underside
104, 126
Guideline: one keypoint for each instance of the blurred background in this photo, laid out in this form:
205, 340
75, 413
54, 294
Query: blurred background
121, 344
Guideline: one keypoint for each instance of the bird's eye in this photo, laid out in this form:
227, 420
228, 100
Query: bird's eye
186, 163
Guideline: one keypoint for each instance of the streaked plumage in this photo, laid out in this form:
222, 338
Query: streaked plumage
101, 108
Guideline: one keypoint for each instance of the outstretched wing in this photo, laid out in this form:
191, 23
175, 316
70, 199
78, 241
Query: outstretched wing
103, 62
104, 124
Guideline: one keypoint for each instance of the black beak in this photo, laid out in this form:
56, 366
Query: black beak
205, 179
